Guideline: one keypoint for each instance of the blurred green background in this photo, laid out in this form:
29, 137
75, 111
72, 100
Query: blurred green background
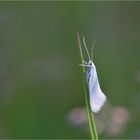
41, 93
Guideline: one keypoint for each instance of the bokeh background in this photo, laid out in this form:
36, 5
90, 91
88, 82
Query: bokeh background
41, 93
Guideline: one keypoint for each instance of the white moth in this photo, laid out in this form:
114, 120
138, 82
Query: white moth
97, 97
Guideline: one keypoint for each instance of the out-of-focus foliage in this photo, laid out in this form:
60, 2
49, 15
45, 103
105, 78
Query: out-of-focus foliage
41, 93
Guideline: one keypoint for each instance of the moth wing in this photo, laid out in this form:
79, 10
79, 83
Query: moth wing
97, 101
97, 97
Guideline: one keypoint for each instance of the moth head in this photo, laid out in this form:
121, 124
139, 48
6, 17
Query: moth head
90, 63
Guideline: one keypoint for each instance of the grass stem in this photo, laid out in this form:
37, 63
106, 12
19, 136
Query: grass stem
92, 125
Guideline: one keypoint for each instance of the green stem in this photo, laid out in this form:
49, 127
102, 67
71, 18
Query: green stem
92, 126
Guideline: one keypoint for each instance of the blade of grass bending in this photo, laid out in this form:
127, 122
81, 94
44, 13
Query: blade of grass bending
93, 131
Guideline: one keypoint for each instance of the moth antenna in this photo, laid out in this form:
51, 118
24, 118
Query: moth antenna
92, 48
86, 47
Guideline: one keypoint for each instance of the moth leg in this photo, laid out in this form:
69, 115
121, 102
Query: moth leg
87, 76
84, 62
84, 65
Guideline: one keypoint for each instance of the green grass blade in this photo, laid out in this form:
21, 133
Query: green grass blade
92, 126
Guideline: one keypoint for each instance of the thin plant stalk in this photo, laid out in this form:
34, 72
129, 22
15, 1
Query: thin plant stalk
92, 125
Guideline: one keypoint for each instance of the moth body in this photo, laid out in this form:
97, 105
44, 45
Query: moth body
97, 97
